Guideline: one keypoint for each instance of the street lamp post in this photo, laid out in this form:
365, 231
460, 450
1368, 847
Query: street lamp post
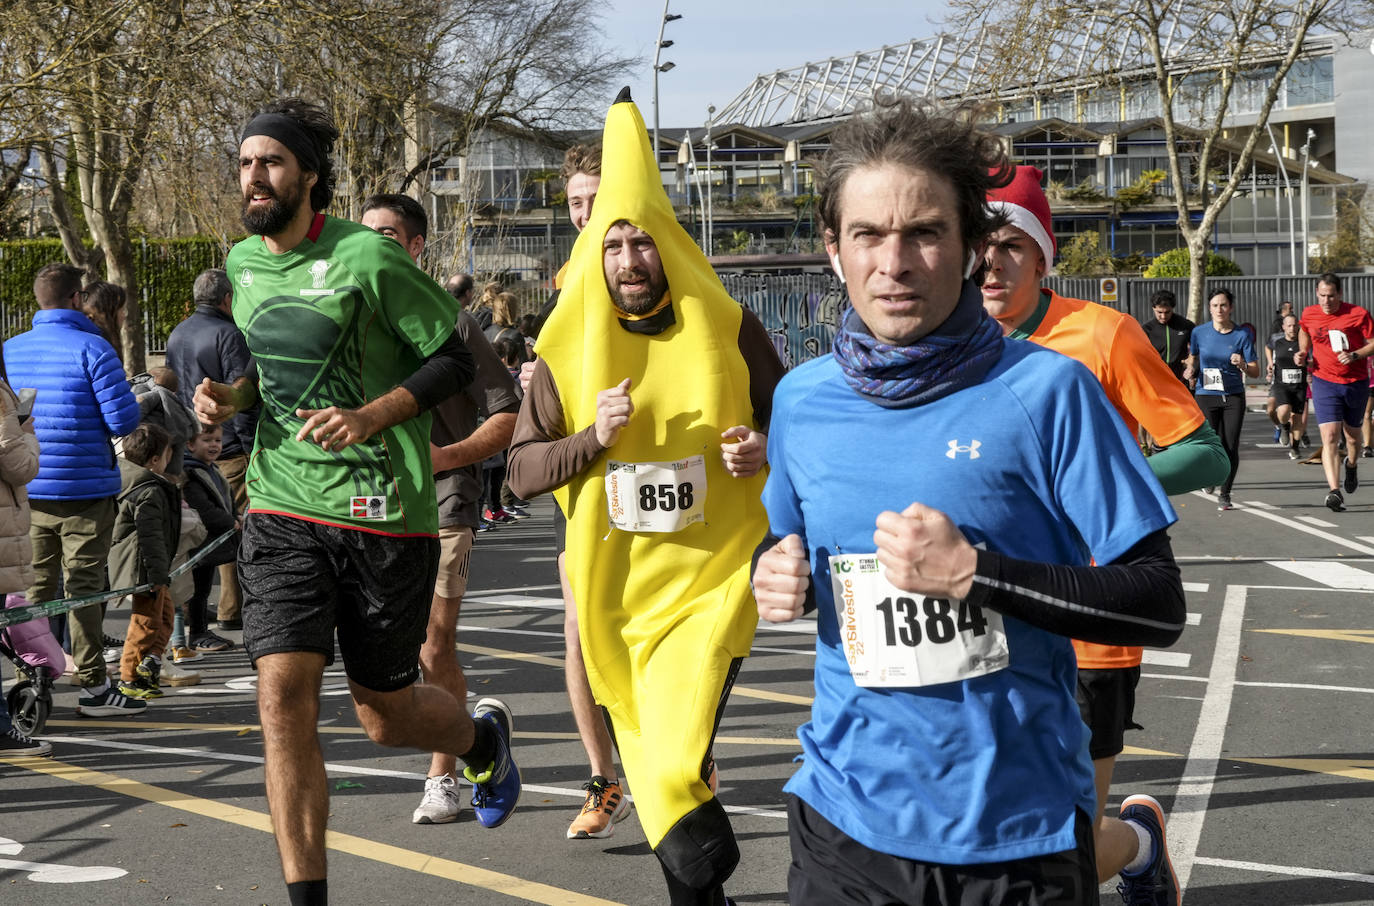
710, 185
661, 67
1306, 162
1288, 190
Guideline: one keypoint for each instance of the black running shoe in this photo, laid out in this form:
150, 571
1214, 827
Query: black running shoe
1352, 478
1335, 502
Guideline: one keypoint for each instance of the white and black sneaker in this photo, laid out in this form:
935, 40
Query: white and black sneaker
14, 742
110, 703
1335, 502
441, 803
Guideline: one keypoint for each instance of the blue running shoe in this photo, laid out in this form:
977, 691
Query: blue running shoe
495, 790
1155, 884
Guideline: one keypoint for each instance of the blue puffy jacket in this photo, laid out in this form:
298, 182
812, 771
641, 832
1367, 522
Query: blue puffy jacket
83, 401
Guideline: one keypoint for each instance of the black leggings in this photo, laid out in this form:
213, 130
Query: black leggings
1225, 414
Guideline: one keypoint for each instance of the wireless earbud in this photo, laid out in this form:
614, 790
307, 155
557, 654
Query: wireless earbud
835, 263
972, 264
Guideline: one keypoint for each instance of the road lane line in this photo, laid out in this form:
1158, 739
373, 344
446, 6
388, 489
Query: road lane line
1281, 520
361, 847
1290, 870
1331, 573
1200, 771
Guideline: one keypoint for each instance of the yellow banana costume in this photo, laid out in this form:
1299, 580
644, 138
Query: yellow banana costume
662, 616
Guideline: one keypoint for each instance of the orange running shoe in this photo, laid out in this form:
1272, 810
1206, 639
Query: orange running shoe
605, 806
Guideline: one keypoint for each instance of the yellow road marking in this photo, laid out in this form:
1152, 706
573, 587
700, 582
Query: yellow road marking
423, 863
1335, 635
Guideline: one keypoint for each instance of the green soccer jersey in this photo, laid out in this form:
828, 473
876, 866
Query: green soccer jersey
339, 320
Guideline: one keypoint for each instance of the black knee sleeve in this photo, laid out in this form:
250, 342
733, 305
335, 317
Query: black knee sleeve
700, 849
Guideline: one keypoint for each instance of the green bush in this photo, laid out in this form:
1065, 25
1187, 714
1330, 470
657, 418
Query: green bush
1174, 263
166, 270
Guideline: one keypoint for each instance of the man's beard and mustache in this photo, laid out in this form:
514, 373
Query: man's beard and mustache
638, 302
274, 217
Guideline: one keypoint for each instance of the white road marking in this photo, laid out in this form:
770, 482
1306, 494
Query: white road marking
1166, 658
52, 873
1281, 520
1195, 786
1367, 539
1260, 504
1195, 679
1282, 869
1333, 573
1200, 587
1316, 687
1194, 619
1319, 523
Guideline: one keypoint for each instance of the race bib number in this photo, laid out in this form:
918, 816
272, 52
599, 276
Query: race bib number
1290, 375
895, 638
1339, 341
656, 496
1211, 379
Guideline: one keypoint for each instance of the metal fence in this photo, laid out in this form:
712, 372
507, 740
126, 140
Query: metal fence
802, 311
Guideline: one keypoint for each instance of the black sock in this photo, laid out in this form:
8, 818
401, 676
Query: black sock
308, 893
483, 751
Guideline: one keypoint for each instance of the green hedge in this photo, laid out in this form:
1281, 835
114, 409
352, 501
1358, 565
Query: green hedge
166, 270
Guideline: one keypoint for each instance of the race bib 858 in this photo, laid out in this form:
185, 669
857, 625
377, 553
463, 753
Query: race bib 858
656, 496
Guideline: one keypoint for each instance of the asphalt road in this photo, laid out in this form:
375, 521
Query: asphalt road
1256, 740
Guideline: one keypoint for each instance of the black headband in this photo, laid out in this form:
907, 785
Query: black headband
290, 133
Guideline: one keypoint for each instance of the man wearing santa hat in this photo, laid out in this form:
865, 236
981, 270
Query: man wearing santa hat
1145, 394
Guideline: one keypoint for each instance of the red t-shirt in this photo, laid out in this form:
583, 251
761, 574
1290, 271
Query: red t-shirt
1357, 327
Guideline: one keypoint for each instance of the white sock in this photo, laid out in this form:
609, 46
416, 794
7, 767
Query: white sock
94, 691
1144, 853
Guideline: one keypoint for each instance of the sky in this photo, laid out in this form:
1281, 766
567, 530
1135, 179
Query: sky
719, 46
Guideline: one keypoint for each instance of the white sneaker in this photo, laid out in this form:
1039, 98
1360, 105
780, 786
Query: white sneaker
171, 676
441, 803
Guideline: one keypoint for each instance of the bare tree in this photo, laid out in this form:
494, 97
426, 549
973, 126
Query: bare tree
1194, 56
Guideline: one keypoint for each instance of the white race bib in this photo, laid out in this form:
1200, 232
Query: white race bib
656, 496
1211, 379
895, 638
1339, 341
1290, 375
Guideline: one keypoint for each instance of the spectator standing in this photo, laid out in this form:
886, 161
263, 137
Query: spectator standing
18, 465
209, 345
146, 532
83, 402
209, 495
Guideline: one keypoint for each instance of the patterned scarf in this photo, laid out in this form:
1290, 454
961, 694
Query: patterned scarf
955, 355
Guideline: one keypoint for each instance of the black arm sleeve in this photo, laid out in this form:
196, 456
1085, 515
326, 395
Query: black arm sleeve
1136, 599
809, 602
443, 374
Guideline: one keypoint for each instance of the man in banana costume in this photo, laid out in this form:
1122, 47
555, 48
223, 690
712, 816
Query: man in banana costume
645, 416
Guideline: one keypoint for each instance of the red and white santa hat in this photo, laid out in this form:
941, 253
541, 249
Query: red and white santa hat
1026, 208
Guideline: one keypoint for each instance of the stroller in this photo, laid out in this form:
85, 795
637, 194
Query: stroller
38, 662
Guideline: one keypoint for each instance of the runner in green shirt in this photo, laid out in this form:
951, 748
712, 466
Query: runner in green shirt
352, 344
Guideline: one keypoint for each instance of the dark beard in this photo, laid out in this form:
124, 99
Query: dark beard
274, 217
642, 302
266, 221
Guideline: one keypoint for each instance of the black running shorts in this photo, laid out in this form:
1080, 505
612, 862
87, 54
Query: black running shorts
830, 867
1294, 395
303, 580
1106, 700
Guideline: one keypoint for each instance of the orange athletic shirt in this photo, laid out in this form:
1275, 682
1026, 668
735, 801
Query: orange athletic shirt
1142, 388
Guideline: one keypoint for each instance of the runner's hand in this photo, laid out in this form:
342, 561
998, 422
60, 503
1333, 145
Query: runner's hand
526, 374
333, 428
781, 579
613, 411
1299, 358
214, 402
745, 457
924, 552
1238, 360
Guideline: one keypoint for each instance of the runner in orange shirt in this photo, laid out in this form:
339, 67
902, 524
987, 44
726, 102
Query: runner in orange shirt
1145, 393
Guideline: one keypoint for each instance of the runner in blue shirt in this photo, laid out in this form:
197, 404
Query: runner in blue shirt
1220, 356
945, 756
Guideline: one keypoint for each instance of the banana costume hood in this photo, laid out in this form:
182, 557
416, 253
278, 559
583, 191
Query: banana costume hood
663, 615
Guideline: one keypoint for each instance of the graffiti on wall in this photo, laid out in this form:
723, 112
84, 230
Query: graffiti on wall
801, 312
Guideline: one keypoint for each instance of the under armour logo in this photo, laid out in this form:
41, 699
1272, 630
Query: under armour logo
971, 448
